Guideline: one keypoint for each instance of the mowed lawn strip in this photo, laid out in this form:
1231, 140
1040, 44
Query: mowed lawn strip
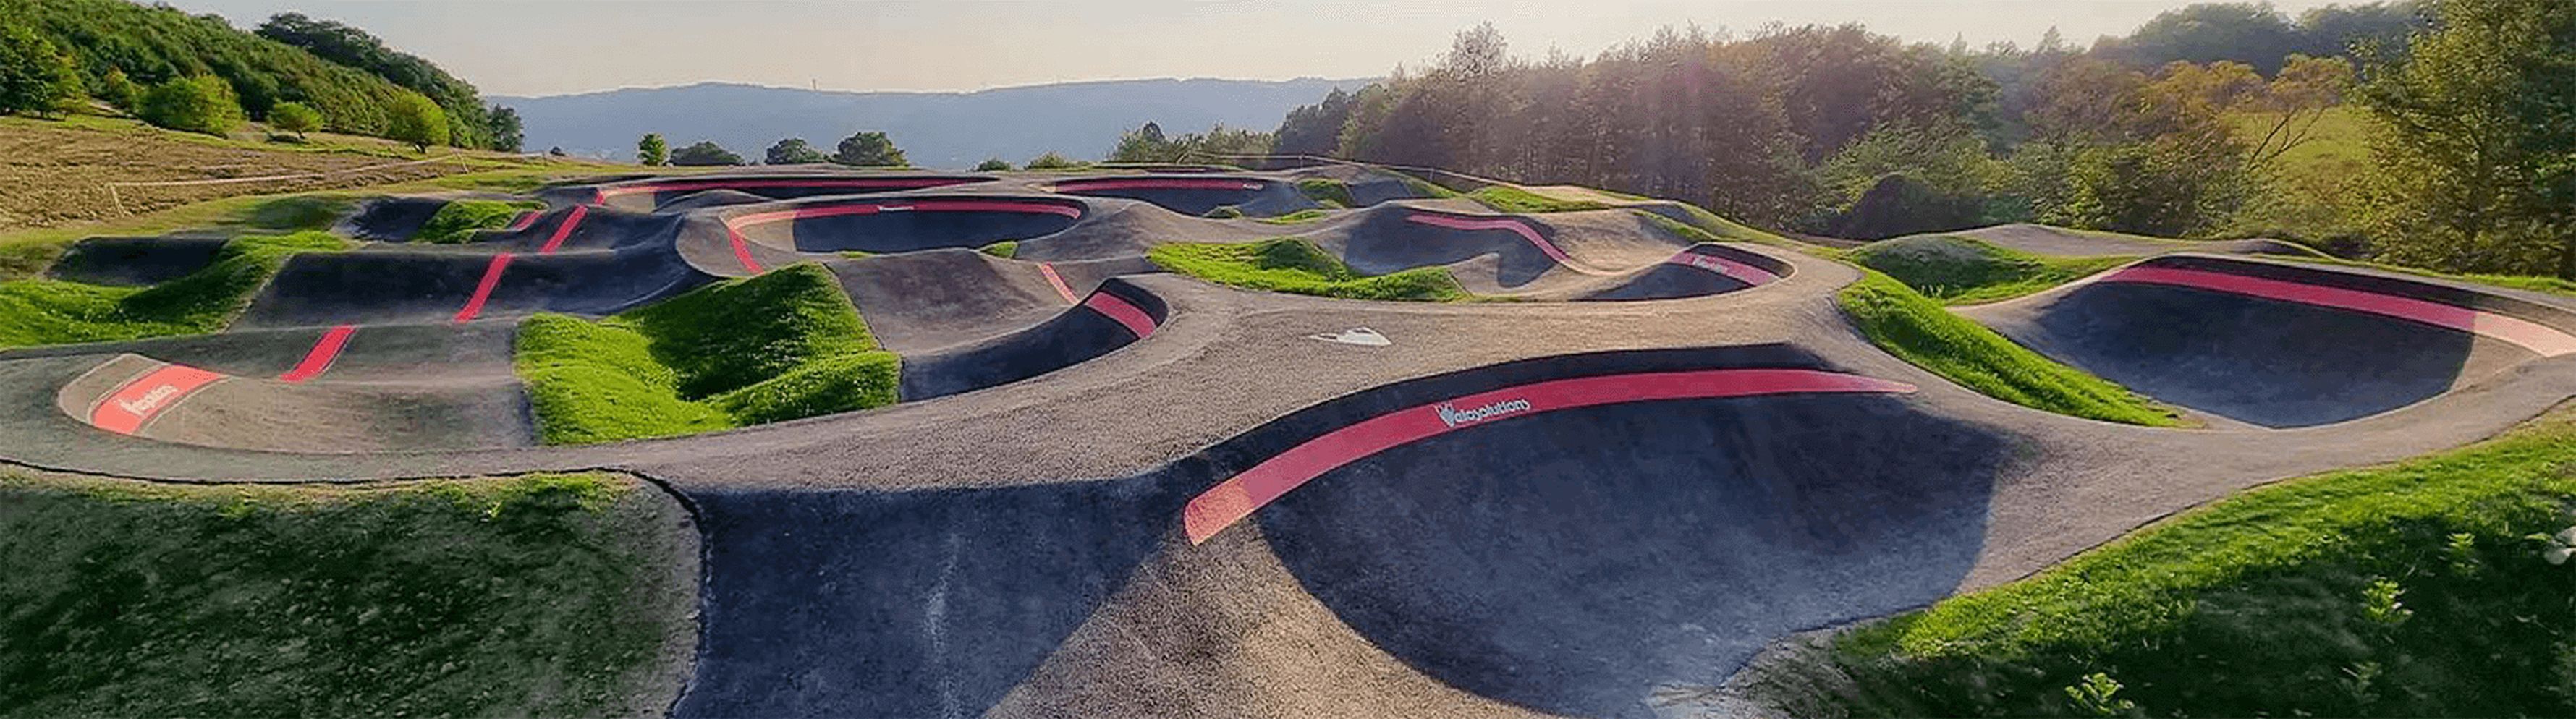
540, 595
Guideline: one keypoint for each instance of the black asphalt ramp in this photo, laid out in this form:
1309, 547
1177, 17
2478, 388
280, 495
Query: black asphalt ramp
912, 604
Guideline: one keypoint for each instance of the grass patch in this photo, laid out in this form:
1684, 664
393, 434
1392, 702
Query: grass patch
2534, 283
1916, 329
1005, 249
1706, 226
47, 312
458, 220
1425, 188
1513, 199
1298, 217
542, 595
2416, 589
778, 346
1960, 270
1297, 266
1223, 212
1327, 191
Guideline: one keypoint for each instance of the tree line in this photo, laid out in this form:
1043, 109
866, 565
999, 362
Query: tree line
2176, 130
199, 73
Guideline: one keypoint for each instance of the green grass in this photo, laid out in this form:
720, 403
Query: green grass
1918, 330
1513, 199
1706, 226
1327, 192
1298, 217
1425, 188
2276, 602
1298, 266
1005, 249
458, 220
1223, 212
778, 346
1961, 271
2534, 283
46, 312
541, 595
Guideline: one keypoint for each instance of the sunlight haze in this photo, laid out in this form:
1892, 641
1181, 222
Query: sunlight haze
547, 47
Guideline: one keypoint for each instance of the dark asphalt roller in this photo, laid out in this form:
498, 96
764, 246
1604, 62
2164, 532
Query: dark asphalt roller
1197, 194
2277, 361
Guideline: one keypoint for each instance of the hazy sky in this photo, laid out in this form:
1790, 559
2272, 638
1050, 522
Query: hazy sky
545, 47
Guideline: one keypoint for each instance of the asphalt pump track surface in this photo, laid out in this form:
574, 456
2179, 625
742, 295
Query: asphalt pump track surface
1128, 493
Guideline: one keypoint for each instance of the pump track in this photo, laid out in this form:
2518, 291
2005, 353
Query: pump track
1113, 491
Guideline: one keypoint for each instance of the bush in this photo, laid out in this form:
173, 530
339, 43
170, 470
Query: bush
203, 103
793, 151
294, 117
34, 75
418, 121
993, 164
704, 154
1054, 161
869, 149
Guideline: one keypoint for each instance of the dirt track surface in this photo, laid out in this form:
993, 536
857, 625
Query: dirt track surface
1023, 546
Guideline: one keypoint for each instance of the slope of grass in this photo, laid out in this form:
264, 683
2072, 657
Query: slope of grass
458, 220
1294, 218
542, 595
1327, 192
1298, 266
2534, 283
45, 312
1960, 270
1706, 226
2416, 589
1517, 200
778, 346
1005, 249
1425, 188
1918, 330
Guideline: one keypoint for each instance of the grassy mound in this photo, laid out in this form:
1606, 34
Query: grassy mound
1708, 227
45, 312
1917, 330
1298, 266
458, 220
1005, 249
779, 346
2418, 589
1327, 192
1295, 218
547, 595
1514, 199
1961, 270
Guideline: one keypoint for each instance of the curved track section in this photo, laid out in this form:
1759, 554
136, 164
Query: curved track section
1115, 315
2279, 345
1196, 194
890, 225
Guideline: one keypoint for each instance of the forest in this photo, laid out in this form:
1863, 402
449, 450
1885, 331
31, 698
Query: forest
2417, 132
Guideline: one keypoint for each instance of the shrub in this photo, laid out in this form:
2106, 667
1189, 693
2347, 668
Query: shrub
294, 117
793, 151
869, 149
704, 154
203, 103
418, 121
652, 151
34, 76
1053, 161
993, 164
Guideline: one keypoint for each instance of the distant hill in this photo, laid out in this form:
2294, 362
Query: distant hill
935, 129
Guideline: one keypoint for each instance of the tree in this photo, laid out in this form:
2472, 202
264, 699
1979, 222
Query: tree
507, 134
704, 154
793, 151
1052, 161
993, 164
652, 151
869, 149
294, 117
202, 103
1314, 129
2477, 167
417, 121
470, 124
34, 76
117, 89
